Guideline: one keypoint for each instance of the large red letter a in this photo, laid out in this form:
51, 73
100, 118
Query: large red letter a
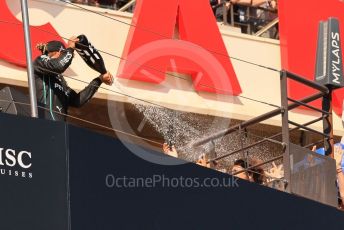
150, 50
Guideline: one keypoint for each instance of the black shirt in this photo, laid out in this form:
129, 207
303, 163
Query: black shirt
53, 94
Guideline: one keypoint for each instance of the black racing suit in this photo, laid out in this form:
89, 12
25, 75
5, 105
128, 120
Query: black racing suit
52, 90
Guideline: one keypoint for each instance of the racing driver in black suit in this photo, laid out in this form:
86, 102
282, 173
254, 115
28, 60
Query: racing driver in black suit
52, 90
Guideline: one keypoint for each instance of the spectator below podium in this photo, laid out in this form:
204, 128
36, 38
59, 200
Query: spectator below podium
239, 166
338, 156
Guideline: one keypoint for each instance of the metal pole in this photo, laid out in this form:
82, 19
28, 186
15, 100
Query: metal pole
225, 13
307, 82
126, 6
31, 80
270, 139
256, 120
328, 125
285, 131
232, 15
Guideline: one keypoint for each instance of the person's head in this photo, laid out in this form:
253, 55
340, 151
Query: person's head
273, 4
52, 49
240, 165
258, 175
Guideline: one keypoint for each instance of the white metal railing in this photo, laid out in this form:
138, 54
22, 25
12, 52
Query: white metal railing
127, 6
